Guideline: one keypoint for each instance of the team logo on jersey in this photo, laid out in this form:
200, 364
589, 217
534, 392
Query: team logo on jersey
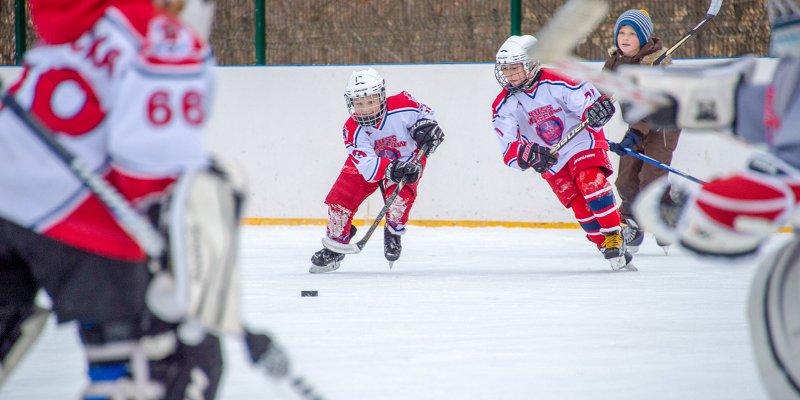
550, 130
387, 147
537, 116
391, 154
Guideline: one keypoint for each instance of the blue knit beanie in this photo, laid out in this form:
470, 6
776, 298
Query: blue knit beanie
639, 20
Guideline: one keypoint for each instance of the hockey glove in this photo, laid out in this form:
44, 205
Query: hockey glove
531, 155
266, 354
631, 139
600, 112
397, 170
427, 133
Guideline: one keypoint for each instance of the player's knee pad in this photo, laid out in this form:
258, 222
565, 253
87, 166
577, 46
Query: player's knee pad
774, 319
200, 282
19, 329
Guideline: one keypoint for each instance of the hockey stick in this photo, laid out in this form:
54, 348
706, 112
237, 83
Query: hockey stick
713, 9
350, 248
660, 164
257, 345
555, 48
572, 133
129, 219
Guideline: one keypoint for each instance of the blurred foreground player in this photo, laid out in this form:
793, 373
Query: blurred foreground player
127, 89
731, 217
382, 136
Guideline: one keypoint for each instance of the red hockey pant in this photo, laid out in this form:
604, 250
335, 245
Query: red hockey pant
583, 187
350, 190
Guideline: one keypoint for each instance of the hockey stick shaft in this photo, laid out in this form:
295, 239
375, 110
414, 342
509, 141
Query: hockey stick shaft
573, 133
128, 218
713, 9
347, 248
661, 165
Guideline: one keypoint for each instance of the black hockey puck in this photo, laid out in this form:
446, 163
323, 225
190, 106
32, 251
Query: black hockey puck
308, 293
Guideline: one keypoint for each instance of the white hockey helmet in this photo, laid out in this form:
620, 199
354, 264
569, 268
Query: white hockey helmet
366, 84
784, 18
516, 50
198, 14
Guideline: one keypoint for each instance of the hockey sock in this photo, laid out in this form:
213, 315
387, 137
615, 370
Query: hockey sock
587, 220
599, 197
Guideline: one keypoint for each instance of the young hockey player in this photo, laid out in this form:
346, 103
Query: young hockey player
634, 43
533, 112
731, 217
381, 136
126, 90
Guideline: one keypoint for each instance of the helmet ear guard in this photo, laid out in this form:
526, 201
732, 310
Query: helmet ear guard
363, 84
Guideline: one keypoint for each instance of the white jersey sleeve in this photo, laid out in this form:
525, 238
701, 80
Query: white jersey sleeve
506, 127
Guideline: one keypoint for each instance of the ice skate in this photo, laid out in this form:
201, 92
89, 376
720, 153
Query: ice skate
391, 246
325, 261
633, 235
664, 245
614, 250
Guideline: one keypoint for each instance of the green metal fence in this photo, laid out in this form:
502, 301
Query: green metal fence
248, 32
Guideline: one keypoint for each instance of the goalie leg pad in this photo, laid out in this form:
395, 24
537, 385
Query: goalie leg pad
774, 320
154, 366
200, 284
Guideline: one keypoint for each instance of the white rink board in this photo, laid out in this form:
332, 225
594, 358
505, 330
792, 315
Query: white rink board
283, 124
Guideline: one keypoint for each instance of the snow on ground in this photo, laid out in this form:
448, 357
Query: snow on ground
473, 313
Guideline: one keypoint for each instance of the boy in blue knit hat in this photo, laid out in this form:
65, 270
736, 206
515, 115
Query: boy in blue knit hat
633, 22
634, 43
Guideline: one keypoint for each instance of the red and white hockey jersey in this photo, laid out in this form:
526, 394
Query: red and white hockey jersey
129, 95
372, 149
544, 114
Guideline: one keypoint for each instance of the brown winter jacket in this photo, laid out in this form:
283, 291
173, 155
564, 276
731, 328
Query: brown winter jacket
632, 173
647, 55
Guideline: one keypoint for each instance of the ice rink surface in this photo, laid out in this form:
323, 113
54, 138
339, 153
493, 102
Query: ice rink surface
472, 313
